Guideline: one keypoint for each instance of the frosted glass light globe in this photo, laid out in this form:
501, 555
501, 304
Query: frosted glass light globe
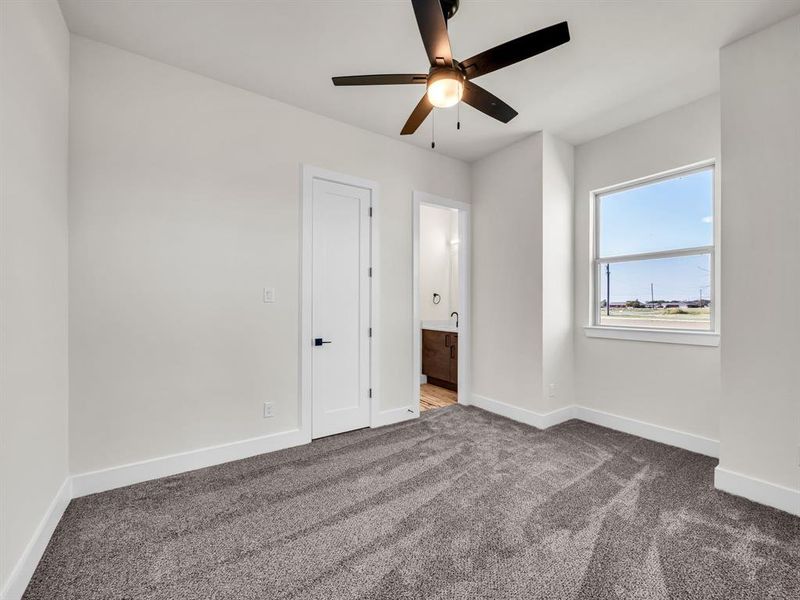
445, 92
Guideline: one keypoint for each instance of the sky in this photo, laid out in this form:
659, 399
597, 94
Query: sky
666, 215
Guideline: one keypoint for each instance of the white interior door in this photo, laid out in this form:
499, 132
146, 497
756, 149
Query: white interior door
340, 308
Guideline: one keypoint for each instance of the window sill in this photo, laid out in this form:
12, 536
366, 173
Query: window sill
689, 338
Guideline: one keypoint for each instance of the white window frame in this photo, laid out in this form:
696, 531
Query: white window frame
647, 334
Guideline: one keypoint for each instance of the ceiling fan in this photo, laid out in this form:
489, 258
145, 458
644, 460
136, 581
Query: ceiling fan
449, 81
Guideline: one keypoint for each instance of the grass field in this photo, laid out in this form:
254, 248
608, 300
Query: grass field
672, 318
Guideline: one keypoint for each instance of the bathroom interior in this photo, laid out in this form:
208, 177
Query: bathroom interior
439, 309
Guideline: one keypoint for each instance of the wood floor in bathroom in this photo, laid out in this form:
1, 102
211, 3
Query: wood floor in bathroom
433, 396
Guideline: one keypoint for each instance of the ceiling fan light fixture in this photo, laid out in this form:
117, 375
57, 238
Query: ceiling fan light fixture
447, 82
445, 89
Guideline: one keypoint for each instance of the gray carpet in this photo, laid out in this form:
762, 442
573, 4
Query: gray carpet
458, 504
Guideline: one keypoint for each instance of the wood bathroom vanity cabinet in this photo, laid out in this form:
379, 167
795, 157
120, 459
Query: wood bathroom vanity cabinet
440, 358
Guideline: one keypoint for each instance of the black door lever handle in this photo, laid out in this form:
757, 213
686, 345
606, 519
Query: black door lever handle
320, 341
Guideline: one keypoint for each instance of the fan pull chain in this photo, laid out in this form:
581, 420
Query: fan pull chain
458, 117
433, 128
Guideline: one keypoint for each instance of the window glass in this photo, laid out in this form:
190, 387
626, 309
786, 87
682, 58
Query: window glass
673, 293
664, 215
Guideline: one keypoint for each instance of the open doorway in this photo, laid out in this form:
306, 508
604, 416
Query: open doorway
441, 271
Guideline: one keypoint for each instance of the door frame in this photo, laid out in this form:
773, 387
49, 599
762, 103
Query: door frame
464, 273
308, 174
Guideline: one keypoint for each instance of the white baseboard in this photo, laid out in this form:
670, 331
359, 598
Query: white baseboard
123, 475
523, 415
656, 433
423, 379
395, 415
163, 466
23, 571
758, 490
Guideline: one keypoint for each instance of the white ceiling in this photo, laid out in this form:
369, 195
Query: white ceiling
628, 60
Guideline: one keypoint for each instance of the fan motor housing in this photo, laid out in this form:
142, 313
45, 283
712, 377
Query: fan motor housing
449, 8
437, 73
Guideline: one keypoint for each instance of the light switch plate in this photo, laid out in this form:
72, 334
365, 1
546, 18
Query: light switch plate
269, 295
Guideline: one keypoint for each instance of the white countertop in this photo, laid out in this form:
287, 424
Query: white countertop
448, 326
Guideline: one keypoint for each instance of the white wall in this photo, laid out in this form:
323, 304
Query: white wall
33, 270
507, 274
184, 205
670, 385
760, 412
557, 273
522, 274
438, 262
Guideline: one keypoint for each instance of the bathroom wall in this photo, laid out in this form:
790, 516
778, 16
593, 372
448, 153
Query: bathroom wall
454, 281
438, 264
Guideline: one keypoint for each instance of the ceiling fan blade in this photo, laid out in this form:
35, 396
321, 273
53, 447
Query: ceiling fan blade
516, 50
487, 103
433, 29
421, 111
379, 79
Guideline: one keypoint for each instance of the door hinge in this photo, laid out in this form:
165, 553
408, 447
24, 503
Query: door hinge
370, 332
370, 392
370, 211
370, 271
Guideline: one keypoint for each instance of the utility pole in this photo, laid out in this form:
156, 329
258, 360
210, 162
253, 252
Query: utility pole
652, 298
701, 297
608, 289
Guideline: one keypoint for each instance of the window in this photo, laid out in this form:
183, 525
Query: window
653, 260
